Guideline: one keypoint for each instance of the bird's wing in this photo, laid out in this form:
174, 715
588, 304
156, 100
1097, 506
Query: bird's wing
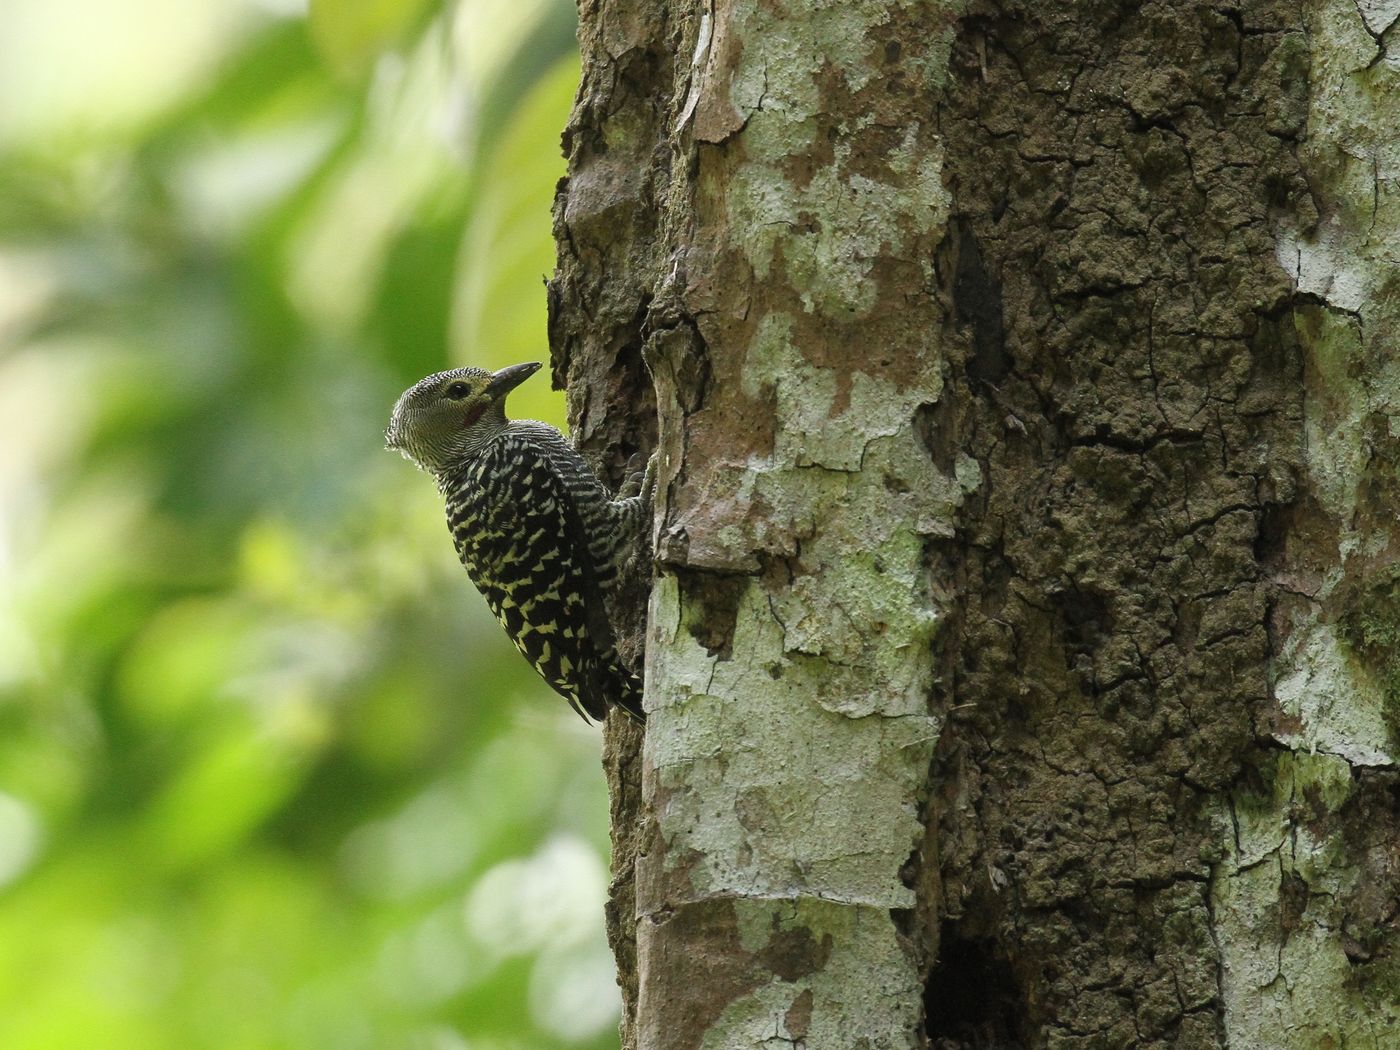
605, 524
538, 576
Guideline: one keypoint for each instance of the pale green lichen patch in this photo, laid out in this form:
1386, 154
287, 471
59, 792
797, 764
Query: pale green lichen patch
851, 497
1336, 704
1348, 387
1281, 987
1304, 939
1348, 258
1259, 815
798, 67
1286, 895
1370, 630
749, 826
1321, 782
1338, 673
833, 261
849, 999
1283, 906
818, 431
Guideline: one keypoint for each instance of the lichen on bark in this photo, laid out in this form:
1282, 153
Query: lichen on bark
803, 485
1305, 897
754, 200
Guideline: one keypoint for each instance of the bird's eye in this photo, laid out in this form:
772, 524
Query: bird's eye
458, 390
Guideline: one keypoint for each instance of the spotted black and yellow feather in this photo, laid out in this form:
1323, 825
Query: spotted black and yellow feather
538, 533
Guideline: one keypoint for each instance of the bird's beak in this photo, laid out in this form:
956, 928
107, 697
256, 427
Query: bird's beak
507, 379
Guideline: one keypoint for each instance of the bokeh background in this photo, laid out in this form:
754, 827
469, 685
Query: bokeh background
269, 775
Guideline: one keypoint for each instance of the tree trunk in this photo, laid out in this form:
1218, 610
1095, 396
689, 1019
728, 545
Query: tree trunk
1023, 654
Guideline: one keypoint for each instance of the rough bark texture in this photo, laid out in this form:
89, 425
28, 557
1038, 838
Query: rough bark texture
1137, 408
1022, 648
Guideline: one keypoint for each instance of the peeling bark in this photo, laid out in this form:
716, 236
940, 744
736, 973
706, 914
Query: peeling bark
1021, 649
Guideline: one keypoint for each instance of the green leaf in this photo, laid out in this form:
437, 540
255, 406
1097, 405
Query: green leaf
351, 34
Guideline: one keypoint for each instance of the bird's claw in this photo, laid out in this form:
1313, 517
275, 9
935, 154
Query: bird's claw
640, 482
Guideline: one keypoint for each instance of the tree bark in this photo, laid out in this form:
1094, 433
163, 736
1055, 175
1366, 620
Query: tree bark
1022, 649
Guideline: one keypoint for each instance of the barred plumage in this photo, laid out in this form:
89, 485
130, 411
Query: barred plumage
537, 531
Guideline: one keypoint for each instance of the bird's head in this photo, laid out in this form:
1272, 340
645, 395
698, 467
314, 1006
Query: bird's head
447, 418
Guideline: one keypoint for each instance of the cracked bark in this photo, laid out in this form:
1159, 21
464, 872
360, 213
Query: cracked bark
1021, 648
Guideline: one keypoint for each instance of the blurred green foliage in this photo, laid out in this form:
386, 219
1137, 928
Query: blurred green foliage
269, 774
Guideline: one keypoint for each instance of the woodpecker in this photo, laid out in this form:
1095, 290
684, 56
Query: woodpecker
539, 534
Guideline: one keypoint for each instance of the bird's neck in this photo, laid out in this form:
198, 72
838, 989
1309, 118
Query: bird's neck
466, 451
